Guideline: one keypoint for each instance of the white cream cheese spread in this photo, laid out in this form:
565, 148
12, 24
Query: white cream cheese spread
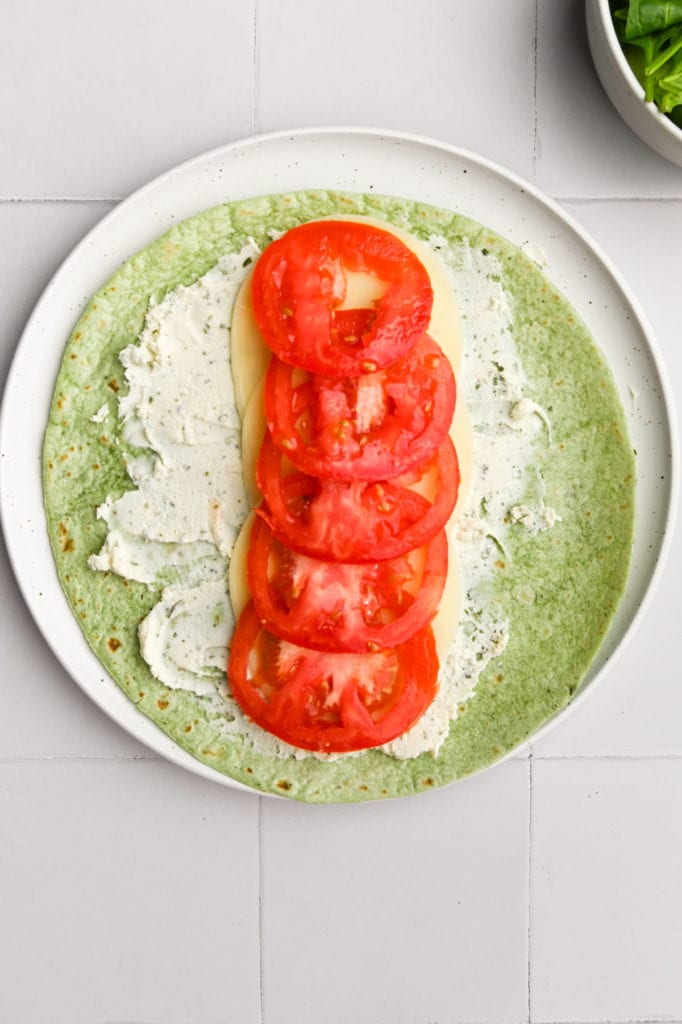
178, 526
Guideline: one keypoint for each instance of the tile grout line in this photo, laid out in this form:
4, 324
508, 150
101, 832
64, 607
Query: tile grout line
92, 200
260, 911
647, 1020
254, 111
530, 882
131, 758
617, 199
534, 156
36, 200
82, 758
671, 756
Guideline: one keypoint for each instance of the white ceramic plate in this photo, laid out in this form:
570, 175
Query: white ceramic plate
336, 158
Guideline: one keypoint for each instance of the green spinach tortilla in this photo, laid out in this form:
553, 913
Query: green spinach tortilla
576, 573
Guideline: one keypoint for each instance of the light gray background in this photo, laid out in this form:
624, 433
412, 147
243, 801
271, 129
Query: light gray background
548, 889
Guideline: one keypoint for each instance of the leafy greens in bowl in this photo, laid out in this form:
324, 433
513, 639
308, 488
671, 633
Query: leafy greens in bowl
650, 33
637, 51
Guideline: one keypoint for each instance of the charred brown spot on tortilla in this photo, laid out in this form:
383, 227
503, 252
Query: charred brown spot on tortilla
162, 704
113, 384
283, 784
188, 728
113, 644
427, 782
68, 545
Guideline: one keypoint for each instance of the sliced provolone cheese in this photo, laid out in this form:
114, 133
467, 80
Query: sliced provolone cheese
250, 357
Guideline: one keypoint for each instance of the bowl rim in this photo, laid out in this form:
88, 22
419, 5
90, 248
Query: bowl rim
630, 77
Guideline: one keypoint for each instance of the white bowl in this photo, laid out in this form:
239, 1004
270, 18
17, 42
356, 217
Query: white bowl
622, 87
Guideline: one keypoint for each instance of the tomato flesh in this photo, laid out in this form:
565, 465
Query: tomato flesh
372, 427
332, 703
348, 556
341, 606
357, 520
299, 285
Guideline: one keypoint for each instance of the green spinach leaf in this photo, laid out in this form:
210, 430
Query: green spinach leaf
650, 33
645, 16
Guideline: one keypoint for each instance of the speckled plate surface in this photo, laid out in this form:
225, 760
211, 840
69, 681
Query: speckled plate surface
354, 160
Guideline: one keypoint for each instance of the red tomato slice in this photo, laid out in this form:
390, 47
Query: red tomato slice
373, 427
299, 283
342, 606
332, 703
357, 521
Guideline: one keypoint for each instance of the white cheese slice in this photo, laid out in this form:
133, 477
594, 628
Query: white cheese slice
250, 356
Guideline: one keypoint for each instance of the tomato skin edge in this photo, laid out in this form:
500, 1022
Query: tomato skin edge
376, 460
344, 638
419, 674
294, 296
291, 531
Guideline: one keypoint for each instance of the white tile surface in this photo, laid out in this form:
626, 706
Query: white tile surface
129, 890
38, 237
606, 929
132, 894
462, 72
403, 912
45, 712
638, 706
100, 97
584, 148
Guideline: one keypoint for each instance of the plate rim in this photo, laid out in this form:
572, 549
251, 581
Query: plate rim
158, 740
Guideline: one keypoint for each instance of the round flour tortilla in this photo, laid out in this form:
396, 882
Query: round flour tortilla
560, 587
